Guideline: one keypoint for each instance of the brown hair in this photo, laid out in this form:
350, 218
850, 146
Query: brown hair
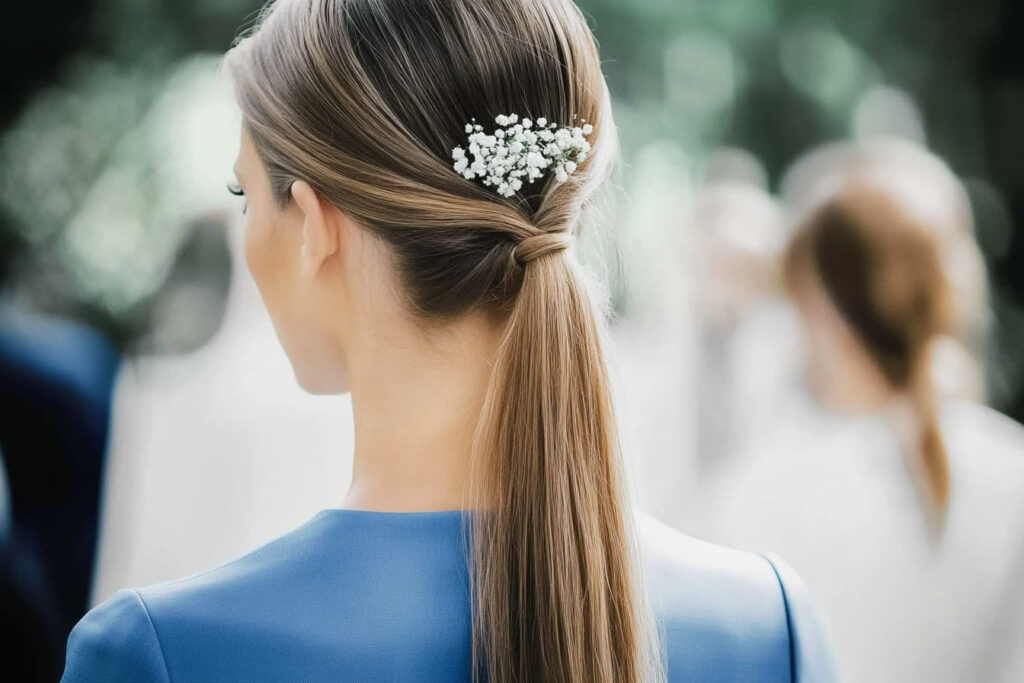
364, 100
883, 272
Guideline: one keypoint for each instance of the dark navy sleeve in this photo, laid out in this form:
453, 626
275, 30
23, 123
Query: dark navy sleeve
811, 655
115, 642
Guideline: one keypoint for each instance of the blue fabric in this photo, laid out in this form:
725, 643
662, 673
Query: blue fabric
376, 596
807, 640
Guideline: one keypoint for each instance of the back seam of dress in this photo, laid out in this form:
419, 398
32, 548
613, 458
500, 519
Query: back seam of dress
156, 635
789, 620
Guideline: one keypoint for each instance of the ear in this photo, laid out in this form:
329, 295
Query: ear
320, 237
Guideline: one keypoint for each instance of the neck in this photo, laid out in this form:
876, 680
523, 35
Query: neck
856, 389
415, 405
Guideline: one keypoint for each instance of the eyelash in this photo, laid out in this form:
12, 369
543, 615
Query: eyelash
237, 191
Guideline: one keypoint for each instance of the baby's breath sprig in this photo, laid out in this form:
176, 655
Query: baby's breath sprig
520, 152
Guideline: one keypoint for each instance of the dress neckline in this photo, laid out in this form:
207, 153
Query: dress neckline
392, 514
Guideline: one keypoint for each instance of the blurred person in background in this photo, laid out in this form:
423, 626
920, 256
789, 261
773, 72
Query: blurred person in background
739, 235
29, 632
56, 379
927, 190
488, 531
735, 338
901, 505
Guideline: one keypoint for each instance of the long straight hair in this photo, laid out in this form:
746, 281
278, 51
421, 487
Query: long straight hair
364, 100
884, 274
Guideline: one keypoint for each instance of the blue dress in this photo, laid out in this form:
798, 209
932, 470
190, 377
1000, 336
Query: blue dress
383, 596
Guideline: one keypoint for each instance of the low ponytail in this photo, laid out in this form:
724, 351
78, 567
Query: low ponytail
366, 100
931, 448
883, 272
556, 593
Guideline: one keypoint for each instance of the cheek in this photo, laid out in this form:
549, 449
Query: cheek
273, 246
256, 251
267, 258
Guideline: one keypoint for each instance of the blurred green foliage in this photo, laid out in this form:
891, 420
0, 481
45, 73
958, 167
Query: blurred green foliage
775, 77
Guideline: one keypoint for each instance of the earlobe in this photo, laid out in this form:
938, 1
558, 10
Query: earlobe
319, 234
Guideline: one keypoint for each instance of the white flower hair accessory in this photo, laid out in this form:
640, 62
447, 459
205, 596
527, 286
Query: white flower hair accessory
520, 152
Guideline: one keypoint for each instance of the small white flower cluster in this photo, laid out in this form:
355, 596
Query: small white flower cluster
520, 151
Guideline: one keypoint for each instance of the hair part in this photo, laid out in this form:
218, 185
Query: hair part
364, 100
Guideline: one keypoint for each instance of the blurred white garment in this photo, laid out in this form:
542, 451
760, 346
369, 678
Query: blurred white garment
215, 452
831, 494
661, 377
652, 375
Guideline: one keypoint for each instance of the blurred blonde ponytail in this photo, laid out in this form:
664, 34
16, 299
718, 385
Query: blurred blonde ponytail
934, 459
884, 274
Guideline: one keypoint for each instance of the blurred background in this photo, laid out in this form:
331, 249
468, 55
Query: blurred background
132, 336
